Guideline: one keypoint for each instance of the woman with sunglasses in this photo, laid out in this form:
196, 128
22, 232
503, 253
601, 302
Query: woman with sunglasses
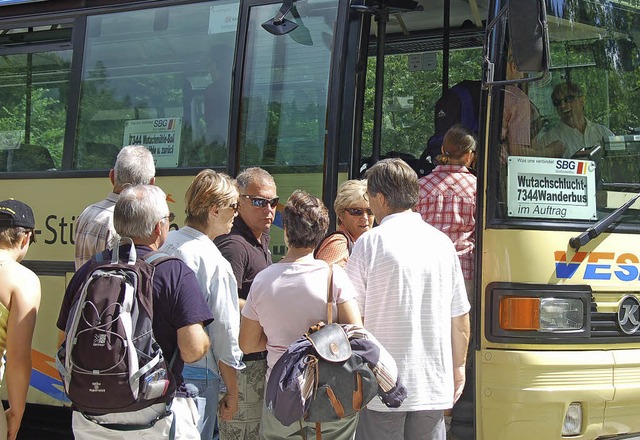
211, 204
354, 219
290, 296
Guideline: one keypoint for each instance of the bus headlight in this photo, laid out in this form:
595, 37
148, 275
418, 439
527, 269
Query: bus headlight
540, 313
561, 314
572, 419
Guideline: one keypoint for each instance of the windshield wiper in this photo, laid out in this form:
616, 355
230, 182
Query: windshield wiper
597, 229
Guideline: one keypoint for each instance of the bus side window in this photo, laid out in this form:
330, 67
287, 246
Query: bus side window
26, 158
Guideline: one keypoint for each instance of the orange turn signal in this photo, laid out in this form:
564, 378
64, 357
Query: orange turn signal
519, 313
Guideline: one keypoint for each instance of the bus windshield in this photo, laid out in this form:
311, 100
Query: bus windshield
567, 148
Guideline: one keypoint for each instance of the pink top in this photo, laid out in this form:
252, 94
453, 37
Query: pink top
288, 298
447, 201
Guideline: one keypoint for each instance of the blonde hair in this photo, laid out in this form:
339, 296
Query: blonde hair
457, 142
11, 236
350, 193
208, 189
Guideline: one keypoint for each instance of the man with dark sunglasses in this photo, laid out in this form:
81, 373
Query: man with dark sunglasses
573, 130
246, 247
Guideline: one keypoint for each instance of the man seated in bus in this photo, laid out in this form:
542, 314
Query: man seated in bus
573, 130
521, 122
94, 227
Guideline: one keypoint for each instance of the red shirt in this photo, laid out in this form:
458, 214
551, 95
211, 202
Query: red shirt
447, 201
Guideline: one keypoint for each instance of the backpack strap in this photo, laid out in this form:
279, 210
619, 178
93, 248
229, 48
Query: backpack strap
349, 242
156, 257
115, 255
330, 295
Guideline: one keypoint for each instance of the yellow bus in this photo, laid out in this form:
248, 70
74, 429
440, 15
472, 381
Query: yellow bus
314, 91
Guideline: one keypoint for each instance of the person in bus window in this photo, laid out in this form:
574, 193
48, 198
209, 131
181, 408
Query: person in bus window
354, 219
217, 96
211, 204
19, 303
573, 130
246, 247
411, 294
521, 121
94, 227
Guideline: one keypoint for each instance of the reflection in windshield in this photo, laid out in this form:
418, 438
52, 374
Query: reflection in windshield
586, 111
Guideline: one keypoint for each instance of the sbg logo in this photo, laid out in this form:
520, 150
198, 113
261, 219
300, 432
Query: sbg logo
565, 165
629, 314
160, 123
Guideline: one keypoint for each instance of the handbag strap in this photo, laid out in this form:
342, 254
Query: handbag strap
330, 295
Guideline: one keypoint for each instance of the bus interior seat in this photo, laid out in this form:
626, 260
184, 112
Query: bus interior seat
620, 161
28, 157
620, 167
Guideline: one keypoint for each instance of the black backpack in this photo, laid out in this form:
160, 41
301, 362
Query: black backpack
110, 361
458, 104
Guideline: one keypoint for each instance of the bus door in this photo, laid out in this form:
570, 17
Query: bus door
283, 92
426, 50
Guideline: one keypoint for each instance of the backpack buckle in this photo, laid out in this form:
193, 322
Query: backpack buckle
331, 343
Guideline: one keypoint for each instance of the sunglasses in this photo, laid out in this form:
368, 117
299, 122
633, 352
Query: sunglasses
171, 216
261, 202
356, 212
32, 238
567, 100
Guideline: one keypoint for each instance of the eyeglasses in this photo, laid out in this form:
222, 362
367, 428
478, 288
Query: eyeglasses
356, 212
261, 202
171, 216
234, 206
567, 100
32, 238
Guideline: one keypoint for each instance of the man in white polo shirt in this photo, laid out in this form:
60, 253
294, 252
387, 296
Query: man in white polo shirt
411, 294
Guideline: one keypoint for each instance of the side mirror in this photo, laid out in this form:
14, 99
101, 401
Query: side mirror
529, 35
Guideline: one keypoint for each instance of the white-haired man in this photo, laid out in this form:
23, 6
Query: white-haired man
94, 227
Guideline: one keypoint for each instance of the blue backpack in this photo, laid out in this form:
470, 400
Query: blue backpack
458, 105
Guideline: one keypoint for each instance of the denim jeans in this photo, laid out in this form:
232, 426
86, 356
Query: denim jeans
208, 384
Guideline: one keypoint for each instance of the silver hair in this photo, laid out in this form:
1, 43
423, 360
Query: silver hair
396, 181
253, 175
134, 166
138, 210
